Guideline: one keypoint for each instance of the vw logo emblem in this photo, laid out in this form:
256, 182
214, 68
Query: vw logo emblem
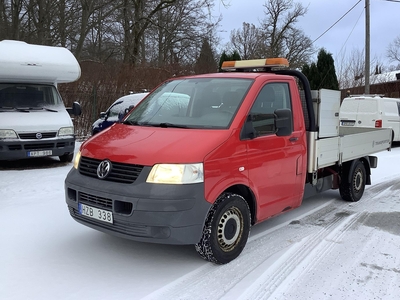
104, 169
39, 135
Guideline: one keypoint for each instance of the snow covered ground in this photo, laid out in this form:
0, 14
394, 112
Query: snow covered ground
326, 249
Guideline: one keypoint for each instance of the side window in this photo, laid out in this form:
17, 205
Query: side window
398, 107
273, 96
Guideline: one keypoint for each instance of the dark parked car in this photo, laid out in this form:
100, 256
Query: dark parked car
119, 108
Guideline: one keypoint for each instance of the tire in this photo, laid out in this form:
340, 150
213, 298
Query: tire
66, 157
226, 229
353, 190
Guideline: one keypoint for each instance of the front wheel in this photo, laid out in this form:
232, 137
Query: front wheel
352, 185
226, 229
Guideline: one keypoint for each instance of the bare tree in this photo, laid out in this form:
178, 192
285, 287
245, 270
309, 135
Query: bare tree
298, 47
4, 19
282, 38
351, 69
393, 50
11, 16
176, 34
135, 31
90, 9
137, 15
247, 41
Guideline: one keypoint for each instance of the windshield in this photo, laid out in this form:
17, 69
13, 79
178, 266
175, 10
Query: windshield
29, 96
192, 103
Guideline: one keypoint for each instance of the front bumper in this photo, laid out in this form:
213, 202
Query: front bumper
157, 213
19, 149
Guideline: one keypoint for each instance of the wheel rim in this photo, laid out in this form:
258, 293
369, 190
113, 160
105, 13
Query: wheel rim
230, 229
358, 181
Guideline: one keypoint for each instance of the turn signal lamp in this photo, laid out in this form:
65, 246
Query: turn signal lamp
255, 63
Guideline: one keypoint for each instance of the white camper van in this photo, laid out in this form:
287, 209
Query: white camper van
371, 111
33, 119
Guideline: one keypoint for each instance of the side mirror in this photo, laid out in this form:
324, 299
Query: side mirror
283, 122
122, 114
75, 110
127, 110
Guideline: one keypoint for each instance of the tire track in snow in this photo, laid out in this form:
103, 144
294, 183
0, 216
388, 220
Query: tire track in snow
302, 257
279, 254
258, 252
194, 285
375, 194
379, 191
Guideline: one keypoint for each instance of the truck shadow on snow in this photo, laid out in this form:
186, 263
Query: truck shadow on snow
32, 163
123, 252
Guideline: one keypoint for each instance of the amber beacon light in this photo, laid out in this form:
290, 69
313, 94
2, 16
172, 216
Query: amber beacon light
255, 63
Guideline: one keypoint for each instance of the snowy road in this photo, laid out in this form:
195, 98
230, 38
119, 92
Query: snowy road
331, 251
326, 249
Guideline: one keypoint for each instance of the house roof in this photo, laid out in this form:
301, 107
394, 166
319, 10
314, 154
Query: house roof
384, 77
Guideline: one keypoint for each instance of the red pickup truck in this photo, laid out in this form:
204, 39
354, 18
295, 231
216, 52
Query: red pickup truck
203, 158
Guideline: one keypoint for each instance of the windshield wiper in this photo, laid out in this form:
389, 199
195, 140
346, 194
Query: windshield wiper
39, 108
163, 125
171, 125
129, 122
5, 108
45, 108
20, 109
25, 109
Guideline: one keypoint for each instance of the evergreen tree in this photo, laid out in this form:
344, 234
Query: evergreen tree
224, 57
205, 63
326, 70
236, 56
322, 74
315, 77
312, 74
227, 57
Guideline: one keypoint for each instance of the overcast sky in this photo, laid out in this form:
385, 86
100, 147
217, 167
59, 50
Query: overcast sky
347, 35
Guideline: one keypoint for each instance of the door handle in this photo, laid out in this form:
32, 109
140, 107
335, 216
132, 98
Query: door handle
293, 139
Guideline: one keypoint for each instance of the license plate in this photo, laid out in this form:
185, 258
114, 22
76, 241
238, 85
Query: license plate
40, 153
95, 213
347, 123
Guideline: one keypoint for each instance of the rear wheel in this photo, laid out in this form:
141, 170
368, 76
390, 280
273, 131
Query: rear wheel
66, 157
352, 185
226, 229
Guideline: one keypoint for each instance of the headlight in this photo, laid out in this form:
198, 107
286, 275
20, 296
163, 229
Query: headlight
66, 131
77, 159
176, 174
7, 134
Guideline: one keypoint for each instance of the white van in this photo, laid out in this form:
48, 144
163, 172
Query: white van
33, 119
371, 111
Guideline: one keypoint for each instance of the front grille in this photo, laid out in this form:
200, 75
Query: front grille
61, 145
32, 136
14, 147
39, 146
124, 173
100, 202
119, 226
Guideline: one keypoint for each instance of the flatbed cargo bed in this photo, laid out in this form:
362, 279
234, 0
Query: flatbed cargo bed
351, 143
